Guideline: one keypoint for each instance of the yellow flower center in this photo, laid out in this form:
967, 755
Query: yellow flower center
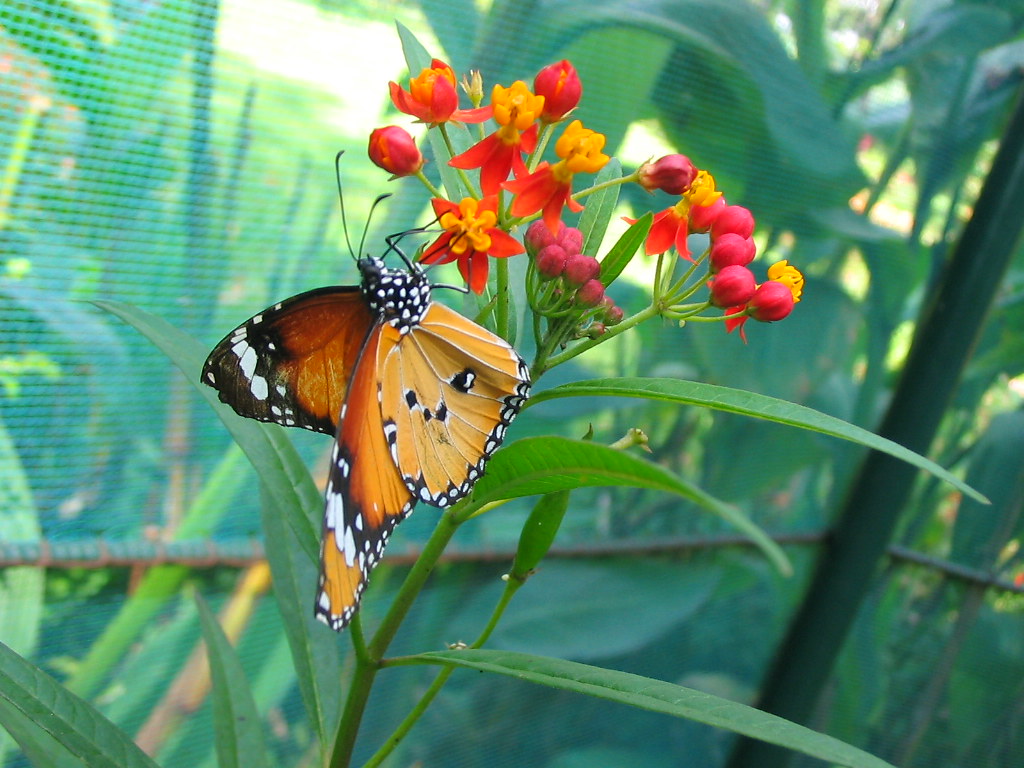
580, 150
422, 86
470, 228
789, 276
702, 191
516, 106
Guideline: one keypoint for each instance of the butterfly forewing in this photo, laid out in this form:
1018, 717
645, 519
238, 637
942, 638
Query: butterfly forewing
291, 363
449, 389
365, 499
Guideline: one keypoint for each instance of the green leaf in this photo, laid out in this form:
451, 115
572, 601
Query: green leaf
539, 532
314, 647
237, 725
600, 207
72, 721
271, 453
656, 696
748, 404
624, 249
36, 744
542, 465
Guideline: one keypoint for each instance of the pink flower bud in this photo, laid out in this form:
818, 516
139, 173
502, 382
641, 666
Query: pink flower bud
613, 314
560, 85
597, 329
550, 259
537, 236
735, 219
571, 239
733, 285
672, 173
771, 301
394, 150
579, 269
703, 216
729, 249
591, 293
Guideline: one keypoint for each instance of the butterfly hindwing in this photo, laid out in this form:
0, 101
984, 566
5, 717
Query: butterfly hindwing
291, 363
449, 389
365, 497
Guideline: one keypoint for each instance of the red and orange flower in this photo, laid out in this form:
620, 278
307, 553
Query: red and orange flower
471, 235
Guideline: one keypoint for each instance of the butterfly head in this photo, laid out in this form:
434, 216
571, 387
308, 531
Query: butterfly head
399, 296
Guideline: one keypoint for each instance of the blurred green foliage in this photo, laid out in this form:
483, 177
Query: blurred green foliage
177, 155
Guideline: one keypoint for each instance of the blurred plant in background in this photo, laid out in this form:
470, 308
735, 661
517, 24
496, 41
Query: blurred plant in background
141, 162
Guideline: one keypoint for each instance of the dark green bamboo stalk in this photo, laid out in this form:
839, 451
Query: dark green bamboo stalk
946, 334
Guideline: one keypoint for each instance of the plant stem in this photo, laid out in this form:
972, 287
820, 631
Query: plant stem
612, 332
366, 666
502, 322
511, 587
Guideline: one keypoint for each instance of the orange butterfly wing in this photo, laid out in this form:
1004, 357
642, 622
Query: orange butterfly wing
291, 363
365, 499
449, 390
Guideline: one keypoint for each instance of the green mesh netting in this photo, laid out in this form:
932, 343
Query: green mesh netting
178, 156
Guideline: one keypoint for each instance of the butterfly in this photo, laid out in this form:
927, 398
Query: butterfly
417, 397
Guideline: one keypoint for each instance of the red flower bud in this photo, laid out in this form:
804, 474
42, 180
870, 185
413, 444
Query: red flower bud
672, 173
735, 219
703, 216
537, 236
591, 293
550, 259
561, 88
394, 150
733, 285
579, 269
771, 301
597, 329
729, 249
571, 239
613, 314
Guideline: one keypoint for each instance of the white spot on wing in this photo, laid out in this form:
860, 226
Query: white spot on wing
247, 360
258, 387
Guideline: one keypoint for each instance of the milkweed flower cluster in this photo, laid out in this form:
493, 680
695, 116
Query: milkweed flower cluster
520, 178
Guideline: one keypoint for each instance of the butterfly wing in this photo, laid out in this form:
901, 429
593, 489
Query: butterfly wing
449, 390
291, 363
365, 498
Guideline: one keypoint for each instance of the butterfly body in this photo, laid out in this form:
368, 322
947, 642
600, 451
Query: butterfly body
417, 396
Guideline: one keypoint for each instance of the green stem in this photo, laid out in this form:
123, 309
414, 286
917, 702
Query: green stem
366, 667
473, 191
511, 587
615, 330
606, 184
358, 694
434, 191
502, 321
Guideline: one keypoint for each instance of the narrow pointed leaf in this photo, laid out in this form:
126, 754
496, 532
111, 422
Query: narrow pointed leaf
314, 647
237, 726
748, 404
271, 453
72, 721
657, 696
624, 249
600, 207
542, 465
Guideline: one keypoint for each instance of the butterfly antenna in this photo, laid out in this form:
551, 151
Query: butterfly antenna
369, 218
341, 202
